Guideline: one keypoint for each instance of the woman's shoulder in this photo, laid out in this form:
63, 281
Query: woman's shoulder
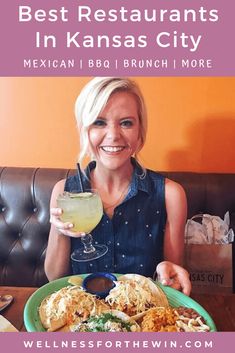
154, 175
71, 183
174, 190
71, 178
173, 185
169, 183
152, 182
57, 189
59, 186
74, 183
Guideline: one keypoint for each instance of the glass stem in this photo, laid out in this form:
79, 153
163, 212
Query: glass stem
87, 239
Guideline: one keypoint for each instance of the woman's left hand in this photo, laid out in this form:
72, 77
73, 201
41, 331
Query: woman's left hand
173, 275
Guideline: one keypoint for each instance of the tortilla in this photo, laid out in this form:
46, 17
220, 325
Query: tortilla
121, 315
68, 305
51, 321
134, 294
159, 296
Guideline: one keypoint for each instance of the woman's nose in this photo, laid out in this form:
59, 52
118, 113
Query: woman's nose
113, 132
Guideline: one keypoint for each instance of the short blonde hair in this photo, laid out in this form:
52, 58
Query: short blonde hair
94, 97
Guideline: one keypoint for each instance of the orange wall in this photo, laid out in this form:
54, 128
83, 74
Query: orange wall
191, 122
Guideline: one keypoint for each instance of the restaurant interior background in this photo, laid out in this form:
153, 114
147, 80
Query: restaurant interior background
191, 124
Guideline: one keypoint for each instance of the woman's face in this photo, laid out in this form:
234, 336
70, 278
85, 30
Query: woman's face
115, 135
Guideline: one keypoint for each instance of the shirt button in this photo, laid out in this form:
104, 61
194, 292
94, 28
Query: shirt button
147, 225
107, 221
150, 235
141, 265
106, 266
123, 255
120, 213
115, 266
118, 244
96, 242
158, 212
90, 265
126, 222
138, 210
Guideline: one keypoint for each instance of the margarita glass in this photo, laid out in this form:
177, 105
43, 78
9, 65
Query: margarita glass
84, 210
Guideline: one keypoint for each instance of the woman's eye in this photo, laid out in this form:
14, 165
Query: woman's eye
99, 122
127, 123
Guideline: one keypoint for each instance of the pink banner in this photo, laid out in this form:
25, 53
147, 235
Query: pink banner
108, 37
118, 342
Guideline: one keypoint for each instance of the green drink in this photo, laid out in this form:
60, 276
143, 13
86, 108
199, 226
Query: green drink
84, 210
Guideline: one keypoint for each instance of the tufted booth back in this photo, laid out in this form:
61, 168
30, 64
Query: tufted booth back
24, 223
24, 214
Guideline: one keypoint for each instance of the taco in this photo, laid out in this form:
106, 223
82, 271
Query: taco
108, 321
134, 294
68, 305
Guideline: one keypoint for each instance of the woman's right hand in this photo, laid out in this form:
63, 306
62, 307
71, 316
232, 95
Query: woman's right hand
175, 276
63, 228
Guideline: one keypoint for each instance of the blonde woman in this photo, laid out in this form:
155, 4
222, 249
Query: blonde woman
144, 212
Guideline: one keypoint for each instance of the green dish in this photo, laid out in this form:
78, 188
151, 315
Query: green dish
33, 324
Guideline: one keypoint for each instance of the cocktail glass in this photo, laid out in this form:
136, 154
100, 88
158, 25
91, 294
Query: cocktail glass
84, 210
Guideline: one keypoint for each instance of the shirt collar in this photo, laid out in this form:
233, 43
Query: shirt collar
86, 175
140, 180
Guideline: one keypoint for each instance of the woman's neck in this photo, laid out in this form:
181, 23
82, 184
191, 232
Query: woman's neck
112, 185
111, 180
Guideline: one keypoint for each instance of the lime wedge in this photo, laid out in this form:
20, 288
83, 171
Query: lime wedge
75, 280
82, 195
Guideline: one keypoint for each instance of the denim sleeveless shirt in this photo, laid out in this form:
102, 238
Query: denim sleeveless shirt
135, 233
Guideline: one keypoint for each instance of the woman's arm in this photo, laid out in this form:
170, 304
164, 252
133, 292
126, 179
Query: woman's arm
176, 208
57, 262
170, 272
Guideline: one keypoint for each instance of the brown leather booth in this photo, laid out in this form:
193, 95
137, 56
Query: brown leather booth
24, 215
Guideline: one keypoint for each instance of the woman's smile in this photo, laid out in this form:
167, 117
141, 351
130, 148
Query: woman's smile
112, 149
